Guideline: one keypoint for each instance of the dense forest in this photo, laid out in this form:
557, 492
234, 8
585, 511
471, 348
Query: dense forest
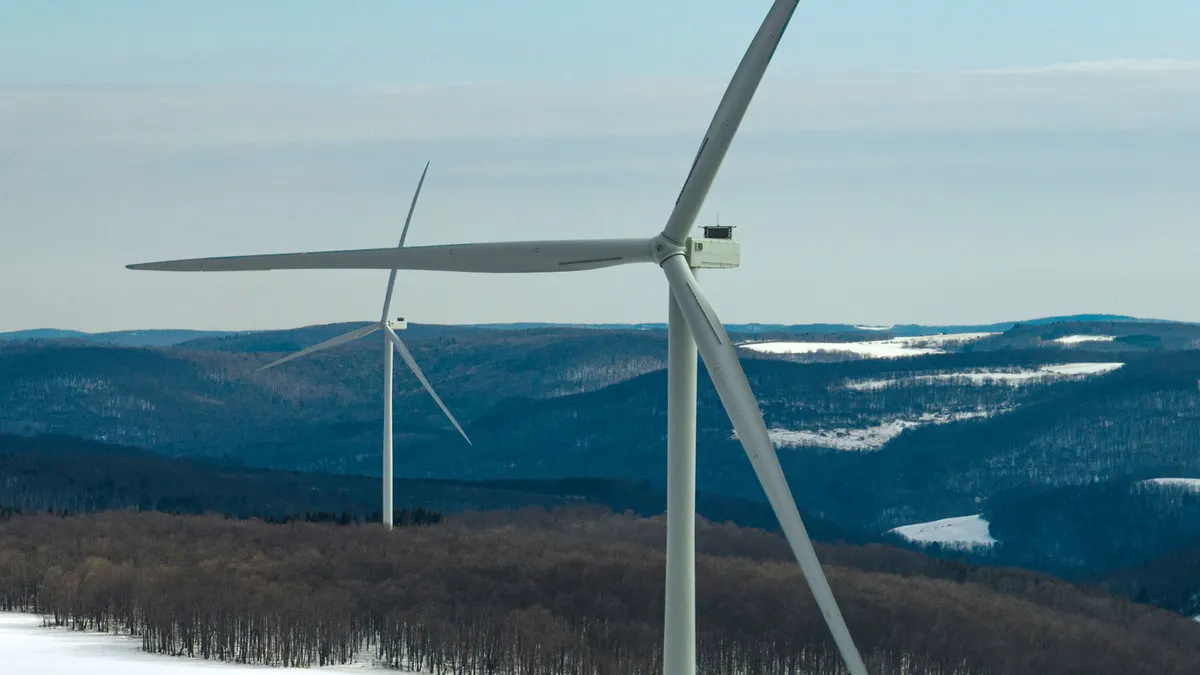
54, 473
1070, 530
568, 591
63, 474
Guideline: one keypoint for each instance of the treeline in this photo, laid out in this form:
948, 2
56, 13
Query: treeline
400, 517
535, 593
55, 473
61, 474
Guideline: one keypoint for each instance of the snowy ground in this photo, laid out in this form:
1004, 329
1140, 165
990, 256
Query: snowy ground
869, 438
960, 532
1192, 484
1014, 378
1076, 339
28, 648
882, 349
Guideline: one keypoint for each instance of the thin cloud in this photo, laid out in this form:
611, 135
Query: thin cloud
1104, 67
1149, 95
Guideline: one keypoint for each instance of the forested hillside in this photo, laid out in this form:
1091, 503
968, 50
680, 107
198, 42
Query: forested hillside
1038, 428
566, 592
62, 474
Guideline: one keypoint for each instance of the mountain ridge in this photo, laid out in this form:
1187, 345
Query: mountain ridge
163, 337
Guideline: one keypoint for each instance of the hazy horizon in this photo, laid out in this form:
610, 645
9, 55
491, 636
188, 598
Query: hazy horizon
585, 324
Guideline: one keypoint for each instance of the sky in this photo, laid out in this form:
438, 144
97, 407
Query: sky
926, 161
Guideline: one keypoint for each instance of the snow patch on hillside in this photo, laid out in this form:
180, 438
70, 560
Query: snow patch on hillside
862, 439
1077, 339
1190, 484
963, 532
981, 377
28, 647
916, 345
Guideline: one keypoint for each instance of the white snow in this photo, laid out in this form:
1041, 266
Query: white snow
873, 327
1081, 368
880, 349
961, 532
27, 647
1076, 339
869, 438
1014, 378
916, 345
1191, 484
945, 338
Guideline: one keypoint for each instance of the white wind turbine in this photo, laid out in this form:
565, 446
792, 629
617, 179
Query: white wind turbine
692, 324
390, 341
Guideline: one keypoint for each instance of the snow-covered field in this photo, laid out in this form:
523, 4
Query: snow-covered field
1014, 378
960, 532
1192, 484
869, 438
28, 648
1077, 339
881, 349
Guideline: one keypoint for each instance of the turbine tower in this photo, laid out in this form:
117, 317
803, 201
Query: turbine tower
390, 341
693, 326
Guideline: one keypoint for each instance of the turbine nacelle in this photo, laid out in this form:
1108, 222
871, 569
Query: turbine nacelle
716, 253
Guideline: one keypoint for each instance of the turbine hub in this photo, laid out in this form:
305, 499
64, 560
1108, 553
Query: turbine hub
662, 248
399, 324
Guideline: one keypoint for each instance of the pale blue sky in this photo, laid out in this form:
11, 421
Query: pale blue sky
880, 176
402, 41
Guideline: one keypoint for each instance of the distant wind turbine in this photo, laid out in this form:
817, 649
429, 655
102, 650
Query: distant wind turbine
692, 324
390, 341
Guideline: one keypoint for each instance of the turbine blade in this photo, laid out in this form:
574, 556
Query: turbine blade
510, 257
333, 342
726, 120
412, 206
734, 390
387, 299
402, 349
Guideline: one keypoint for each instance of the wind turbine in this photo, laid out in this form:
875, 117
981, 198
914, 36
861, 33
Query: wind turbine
692, 325
390, 341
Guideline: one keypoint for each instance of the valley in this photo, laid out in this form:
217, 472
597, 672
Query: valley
1044, 433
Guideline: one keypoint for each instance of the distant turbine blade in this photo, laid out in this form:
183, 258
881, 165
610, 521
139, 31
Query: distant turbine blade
341, 339
510, 257
734, 390
726, 120
402, 349
387, 299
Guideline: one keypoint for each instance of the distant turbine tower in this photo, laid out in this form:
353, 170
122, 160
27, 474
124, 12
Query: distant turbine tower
390, 341
692, 324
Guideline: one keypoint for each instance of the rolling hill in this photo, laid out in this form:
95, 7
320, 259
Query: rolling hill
1046, 416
